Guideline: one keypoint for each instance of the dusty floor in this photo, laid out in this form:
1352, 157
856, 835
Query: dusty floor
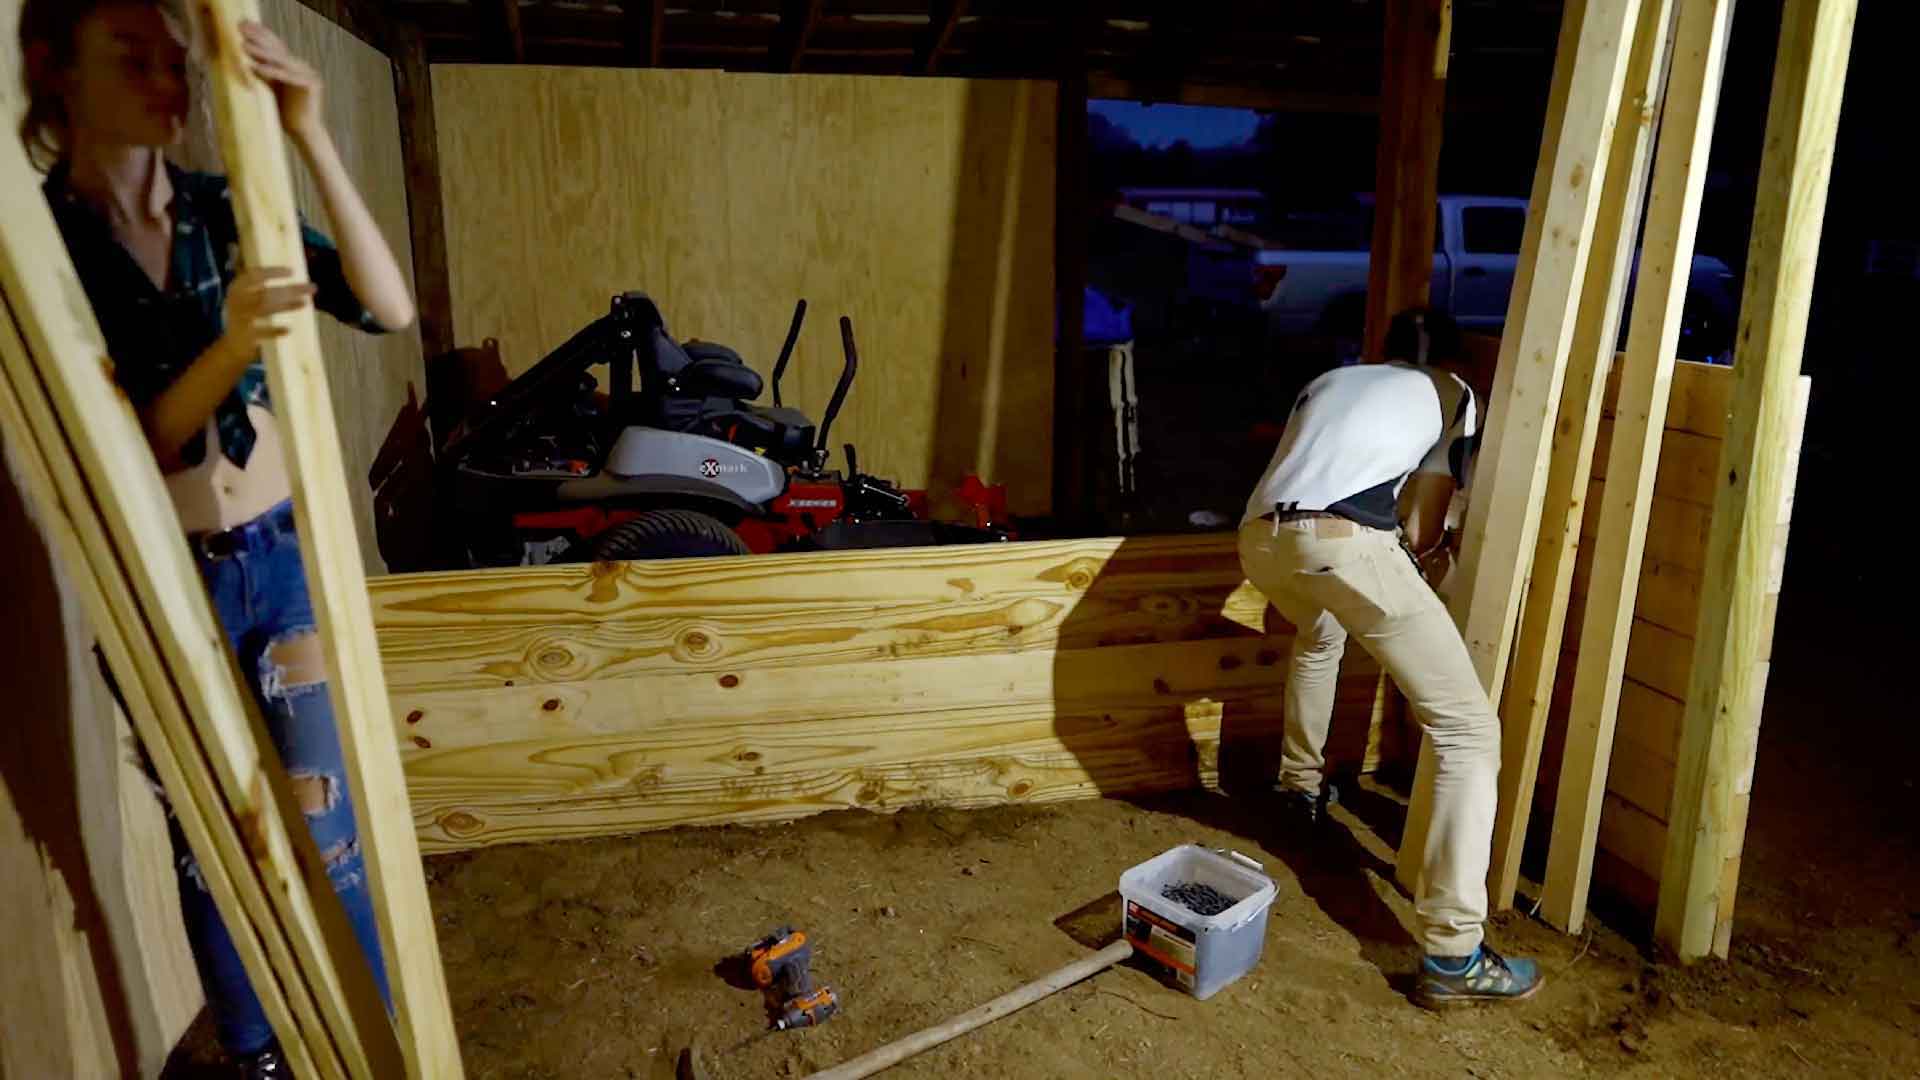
599, 959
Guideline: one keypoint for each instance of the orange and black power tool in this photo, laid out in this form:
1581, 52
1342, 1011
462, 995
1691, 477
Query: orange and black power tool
781, 967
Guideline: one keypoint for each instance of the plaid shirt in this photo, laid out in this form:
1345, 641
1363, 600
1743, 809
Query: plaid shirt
155, 334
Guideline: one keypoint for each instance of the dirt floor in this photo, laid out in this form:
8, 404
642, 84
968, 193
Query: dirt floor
604, 958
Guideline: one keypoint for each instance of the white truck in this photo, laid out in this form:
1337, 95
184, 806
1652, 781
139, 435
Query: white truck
1322, 292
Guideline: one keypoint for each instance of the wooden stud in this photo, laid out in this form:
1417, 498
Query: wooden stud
262, 190
1529, 696
1070, 471
1666, 260
1503, 521
944, 16
119, 501
214, 836
1419, 804
1406, 167
1443, 41
797, 21
506, 42
1809, 80
646, 26
426, 206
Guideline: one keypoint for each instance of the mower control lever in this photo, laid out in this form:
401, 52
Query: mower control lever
786, 350
840, 389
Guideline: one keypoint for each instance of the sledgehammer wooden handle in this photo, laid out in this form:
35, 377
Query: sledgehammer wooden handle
901, 1049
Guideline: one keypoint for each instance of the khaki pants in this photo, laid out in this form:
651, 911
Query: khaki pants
1331, 578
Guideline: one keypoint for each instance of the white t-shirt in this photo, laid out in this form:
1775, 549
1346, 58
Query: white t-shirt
1355, 435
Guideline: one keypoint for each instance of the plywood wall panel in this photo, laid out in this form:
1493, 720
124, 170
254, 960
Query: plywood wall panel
921, 208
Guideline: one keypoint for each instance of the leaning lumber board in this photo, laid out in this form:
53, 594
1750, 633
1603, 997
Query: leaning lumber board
1503, 520
473, 630
1543, 614
1636, 455
215, 837
81, 416
262, 195
1809, 80
1676, 529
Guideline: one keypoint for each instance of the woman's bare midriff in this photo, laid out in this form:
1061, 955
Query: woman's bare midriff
217, 494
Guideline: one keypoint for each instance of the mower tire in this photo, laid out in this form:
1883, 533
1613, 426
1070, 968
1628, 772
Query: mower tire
668, 534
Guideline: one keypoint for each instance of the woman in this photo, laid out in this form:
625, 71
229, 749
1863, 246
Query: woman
156, 248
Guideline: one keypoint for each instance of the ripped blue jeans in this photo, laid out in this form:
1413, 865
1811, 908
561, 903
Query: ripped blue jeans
259, 592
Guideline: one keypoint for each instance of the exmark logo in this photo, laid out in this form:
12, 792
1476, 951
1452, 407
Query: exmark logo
713, 467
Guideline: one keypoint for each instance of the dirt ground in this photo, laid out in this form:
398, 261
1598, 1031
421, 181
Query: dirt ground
603, 958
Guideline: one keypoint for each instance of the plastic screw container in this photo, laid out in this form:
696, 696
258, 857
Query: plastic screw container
1203, 953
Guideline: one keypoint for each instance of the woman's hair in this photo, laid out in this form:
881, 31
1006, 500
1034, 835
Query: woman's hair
49, 46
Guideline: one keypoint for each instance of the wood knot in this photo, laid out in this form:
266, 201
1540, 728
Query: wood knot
415, 716
748, 756
1267, 657
553, 657
1230, 662
729, 681
552, 704
1160, 687
696, 645
868, 794
1020, 790
422, 742
461, 824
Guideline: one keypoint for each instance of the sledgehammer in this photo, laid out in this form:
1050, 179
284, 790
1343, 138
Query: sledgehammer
900, 1050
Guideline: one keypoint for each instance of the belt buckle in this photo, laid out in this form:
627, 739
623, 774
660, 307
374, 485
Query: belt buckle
216, 545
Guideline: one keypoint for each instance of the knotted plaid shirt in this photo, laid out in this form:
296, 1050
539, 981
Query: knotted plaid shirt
155, 334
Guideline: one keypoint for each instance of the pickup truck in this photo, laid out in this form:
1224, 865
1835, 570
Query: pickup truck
1322, 292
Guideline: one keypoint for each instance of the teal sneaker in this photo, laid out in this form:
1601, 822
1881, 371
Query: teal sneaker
1487, 976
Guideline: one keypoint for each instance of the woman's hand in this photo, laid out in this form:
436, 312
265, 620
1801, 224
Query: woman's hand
295, 82
253, 299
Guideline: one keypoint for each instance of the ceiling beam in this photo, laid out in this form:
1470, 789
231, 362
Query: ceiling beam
797, 20
946, 15
645, 28
500, 33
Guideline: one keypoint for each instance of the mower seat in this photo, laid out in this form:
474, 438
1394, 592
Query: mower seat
717, 371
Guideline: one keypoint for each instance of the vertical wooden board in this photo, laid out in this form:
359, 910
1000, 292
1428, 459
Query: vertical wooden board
1504, 519
1407, 164
1637, 463
1803, 118
264, 205
1543, 614
922, 208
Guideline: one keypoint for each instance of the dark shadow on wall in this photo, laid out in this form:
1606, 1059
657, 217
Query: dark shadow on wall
995, 390
38, 757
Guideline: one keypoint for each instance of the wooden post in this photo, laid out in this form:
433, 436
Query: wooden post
1406, 186
1503, 519
500, 30
269, 235
426, 214
1529, 696
797, 20
1070, 269
1723, 698
941, 20
646, 23
1666, 263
